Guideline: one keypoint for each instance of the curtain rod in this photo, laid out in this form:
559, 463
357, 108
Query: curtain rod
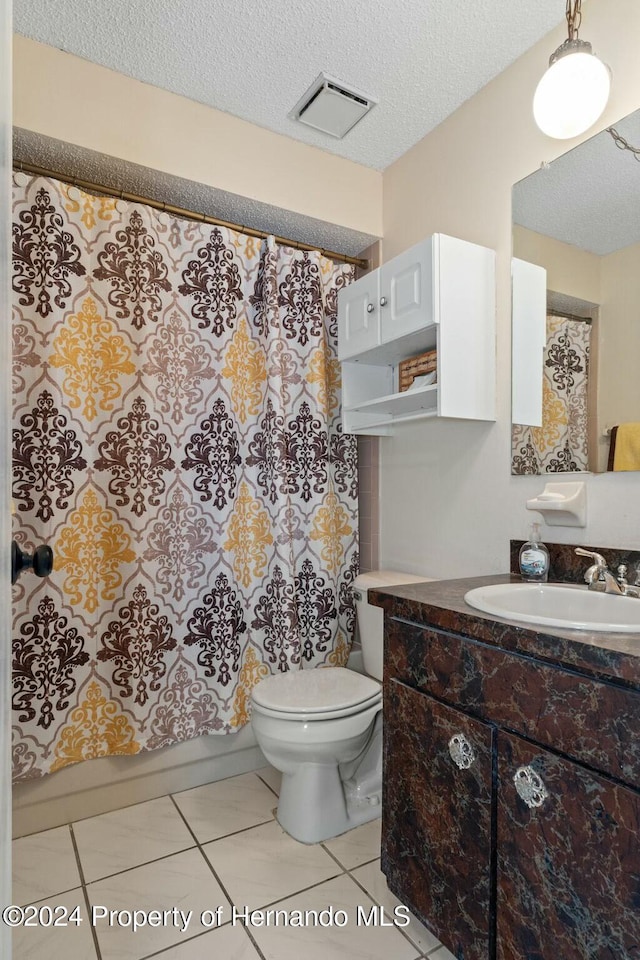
569, 316
22, 166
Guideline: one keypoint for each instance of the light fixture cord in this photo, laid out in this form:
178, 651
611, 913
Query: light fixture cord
574, 18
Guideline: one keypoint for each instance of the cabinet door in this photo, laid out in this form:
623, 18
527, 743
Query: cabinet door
406, 292
569, 864
436, 818
465, 298
359, 316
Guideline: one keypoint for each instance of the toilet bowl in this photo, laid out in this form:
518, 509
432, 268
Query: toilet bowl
323, 730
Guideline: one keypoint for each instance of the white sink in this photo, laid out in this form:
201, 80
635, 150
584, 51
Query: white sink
558, 605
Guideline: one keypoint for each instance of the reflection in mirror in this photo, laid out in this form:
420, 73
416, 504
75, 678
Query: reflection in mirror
579, 219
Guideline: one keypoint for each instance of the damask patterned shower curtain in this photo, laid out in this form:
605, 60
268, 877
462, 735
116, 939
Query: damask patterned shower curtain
560, 444
177, 442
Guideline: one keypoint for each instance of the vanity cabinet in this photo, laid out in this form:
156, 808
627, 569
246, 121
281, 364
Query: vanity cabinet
438, 830
568, 869
522, 840
439, 295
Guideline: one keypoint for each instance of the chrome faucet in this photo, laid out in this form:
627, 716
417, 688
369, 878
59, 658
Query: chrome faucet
598, 576
628, 589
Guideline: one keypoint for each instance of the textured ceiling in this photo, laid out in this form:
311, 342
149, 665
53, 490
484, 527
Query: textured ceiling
255, 58
589, 197
421, 59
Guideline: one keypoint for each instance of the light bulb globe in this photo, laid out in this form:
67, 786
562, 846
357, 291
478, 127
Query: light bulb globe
571, 95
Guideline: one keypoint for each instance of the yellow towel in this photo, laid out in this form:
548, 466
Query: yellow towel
627, 452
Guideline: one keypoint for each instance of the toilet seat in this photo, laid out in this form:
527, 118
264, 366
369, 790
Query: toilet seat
303, 716
320, 694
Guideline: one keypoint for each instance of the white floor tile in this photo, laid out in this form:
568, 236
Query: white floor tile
227, 943
142, 858
374, 881
182, 882
126, 838
220, 808
442, 954
266, 864
43, 864
358, 845
73, 942
334, 942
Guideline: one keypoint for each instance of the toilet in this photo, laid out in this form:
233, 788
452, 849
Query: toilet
322, 729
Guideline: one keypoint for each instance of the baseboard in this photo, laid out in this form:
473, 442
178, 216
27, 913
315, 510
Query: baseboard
108, 783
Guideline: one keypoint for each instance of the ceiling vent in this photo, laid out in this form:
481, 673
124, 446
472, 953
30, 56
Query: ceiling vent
332, 107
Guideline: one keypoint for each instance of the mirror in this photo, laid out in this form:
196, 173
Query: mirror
579, 219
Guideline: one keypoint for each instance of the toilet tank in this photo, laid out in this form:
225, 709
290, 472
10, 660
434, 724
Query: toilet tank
370, 619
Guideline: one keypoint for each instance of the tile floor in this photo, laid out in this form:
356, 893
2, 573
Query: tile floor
205, 850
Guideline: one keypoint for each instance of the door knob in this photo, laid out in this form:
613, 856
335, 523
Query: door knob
530, 787
41, 561
461, 751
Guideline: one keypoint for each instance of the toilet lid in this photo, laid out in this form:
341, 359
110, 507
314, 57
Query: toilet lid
315, 691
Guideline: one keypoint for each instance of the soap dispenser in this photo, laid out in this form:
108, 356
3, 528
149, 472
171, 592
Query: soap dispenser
534, 557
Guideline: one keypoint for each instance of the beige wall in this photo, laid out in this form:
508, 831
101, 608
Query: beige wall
76, 101
448, 502
570, 270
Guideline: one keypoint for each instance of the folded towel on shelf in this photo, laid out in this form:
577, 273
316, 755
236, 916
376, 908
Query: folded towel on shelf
626, 446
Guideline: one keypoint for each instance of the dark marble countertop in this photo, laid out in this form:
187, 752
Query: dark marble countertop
440, 604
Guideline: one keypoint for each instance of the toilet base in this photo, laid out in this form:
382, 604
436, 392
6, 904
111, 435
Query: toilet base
316, 803
343, 810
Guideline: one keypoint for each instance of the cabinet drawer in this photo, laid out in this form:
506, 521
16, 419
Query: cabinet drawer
589, 720
568, 871
437, 824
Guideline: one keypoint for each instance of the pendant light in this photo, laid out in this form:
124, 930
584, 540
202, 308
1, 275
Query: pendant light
574, 91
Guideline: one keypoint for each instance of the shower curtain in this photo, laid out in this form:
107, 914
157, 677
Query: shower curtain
560, 444
176, 441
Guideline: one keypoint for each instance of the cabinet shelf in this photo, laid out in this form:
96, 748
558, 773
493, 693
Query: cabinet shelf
393, 351
422, 401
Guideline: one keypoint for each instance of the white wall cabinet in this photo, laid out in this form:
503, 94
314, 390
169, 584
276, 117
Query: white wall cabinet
439, 295
387, 303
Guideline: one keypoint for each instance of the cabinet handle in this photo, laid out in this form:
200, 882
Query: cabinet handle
383, 301
530, 787
370, 308
461, 751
